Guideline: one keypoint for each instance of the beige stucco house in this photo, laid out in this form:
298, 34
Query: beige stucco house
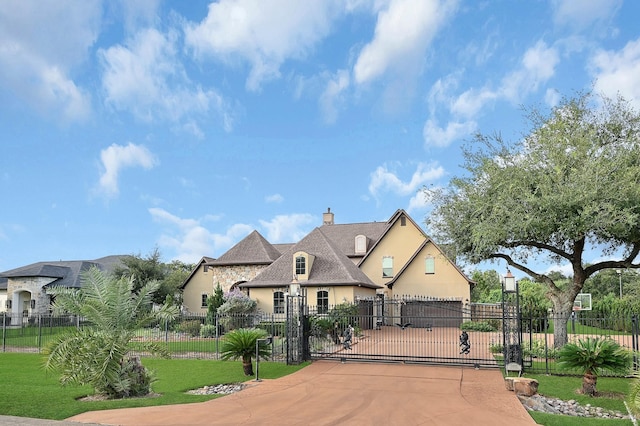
336, 263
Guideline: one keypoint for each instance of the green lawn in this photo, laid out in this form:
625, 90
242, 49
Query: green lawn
565, 387
578, 328
28, 391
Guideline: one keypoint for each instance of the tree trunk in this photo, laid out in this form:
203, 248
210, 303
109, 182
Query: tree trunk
562, 309
247, 366
589, 382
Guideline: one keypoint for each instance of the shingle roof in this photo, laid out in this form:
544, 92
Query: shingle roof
344, 235
66, 273
252, 250
204, 261
330, 266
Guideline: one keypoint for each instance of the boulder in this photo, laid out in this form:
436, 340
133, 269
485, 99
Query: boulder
524, 386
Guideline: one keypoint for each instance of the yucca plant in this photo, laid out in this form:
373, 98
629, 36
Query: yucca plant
241, 343
98, 354
590, 357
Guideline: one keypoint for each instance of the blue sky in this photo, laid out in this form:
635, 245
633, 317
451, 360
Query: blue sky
184, 125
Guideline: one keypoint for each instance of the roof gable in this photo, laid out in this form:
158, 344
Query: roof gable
252, 250
397, 216
344, 235
330, 266
416, 254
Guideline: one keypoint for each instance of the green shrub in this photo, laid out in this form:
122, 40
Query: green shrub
190, 327
207, 330
273, 328
477, 326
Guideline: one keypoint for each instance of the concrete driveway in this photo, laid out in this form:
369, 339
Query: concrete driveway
331, 393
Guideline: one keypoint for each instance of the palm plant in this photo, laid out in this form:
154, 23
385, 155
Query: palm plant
241, 343
99, 354
633, 398
591, 357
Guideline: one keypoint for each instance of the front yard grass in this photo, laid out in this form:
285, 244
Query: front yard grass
28, 391
565, 387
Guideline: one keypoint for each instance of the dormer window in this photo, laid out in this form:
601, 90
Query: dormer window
361, 244
301, 265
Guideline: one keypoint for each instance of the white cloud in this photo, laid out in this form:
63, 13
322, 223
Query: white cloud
288, 228
189, 240
552, 97
384, 180
471, 102
274, 198
115, 158
538, 66
403, 33
37, 55
264, 33
583, 14
146, 78
333, 95
619, 72
435, 135
417, 202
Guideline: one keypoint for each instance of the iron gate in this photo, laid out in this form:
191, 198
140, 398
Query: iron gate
406, 331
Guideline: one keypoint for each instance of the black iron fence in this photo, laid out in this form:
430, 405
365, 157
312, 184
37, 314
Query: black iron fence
438, 335
189, 336
469, 336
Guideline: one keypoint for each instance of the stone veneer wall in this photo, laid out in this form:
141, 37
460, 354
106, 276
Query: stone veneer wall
33, 285
229, 275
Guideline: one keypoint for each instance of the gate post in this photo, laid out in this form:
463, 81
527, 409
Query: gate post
511, 323
634, 339
295, 313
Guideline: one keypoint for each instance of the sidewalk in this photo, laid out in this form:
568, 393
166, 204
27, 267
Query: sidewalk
330, 393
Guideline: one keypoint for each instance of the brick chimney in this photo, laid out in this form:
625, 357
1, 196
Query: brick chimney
327, 218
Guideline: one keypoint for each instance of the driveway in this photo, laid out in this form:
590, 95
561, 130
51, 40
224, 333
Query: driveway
332, 393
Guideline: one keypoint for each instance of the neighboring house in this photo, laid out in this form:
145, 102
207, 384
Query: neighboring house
26, 287
3, 294
337, 263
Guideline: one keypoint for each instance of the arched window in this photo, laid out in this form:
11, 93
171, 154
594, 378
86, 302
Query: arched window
278, 302
323, 301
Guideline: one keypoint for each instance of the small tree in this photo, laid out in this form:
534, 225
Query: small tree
241, 343
592, 356
237, 309
213, 303
99, 354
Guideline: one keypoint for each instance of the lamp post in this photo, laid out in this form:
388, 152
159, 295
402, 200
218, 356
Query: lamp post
619, 272
512, 350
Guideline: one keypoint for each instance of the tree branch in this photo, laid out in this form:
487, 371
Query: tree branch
626, 263
535, 275
539, 245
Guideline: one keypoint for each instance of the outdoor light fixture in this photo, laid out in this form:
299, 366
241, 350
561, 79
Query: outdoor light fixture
510, 282
619, 272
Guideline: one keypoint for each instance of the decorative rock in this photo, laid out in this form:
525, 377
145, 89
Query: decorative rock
568, 408
525, 386
218, 389
508, 383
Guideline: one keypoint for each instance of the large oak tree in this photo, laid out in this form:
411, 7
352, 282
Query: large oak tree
570, 185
